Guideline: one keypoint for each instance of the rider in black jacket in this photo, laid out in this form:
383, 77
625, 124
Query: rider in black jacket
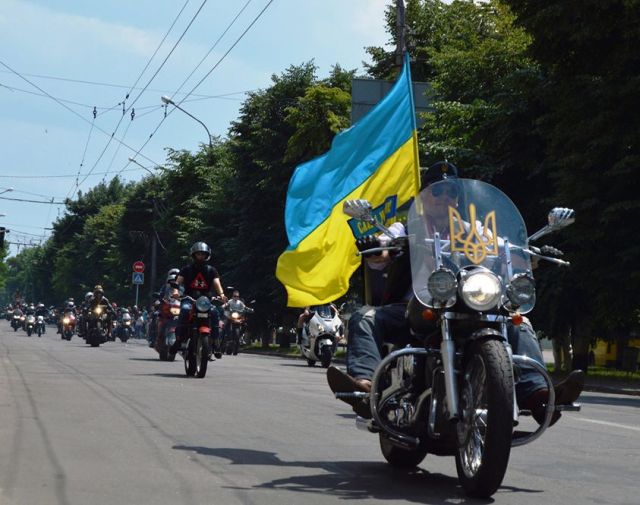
195, 280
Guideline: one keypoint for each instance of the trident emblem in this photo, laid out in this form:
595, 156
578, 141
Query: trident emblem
477, 243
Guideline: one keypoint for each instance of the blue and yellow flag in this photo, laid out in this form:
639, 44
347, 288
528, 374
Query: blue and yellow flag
376, 159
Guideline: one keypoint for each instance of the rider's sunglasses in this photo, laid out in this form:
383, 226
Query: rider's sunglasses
449, 189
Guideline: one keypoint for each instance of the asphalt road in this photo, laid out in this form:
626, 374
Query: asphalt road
80, 425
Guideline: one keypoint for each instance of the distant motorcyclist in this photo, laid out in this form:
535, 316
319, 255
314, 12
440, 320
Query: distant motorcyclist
84, 312
101, 300
195, 280
41, 310
165, 292
68, 307
235, 304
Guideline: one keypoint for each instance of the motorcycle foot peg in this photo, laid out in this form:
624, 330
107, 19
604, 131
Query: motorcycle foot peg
355, 394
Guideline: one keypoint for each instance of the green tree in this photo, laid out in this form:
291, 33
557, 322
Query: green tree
592, 70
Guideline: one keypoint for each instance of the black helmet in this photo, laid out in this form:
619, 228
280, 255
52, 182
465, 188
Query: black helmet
439, 171
200, 247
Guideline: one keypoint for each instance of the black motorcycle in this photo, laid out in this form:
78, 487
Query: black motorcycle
452, 391
98, 323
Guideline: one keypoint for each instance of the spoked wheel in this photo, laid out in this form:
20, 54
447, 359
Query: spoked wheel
485, 429
399, 457
202, 355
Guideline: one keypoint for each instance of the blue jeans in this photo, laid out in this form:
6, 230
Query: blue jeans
370, 327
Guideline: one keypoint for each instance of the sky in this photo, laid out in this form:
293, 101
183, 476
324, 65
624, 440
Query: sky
61, 58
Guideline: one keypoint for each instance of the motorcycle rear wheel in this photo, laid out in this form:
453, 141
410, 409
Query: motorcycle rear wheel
399, 457
485, 429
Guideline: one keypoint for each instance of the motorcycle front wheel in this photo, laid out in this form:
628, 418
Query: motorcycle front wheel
190, 357
485, 429
325, 356
202, 355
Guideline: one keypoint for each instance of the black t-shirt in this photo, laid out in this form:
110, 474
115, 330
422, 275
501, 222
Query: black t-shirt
198, 280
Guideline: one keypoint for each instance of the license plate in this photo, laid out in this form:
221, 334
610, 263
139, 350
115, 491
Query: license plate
203, 315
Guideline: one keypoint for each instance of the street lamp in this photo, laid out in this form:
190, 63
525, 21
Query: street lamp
132, 160
166, 100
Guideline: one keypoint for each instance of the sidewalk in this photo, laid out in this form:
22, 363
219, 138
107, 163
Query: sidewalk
594, 384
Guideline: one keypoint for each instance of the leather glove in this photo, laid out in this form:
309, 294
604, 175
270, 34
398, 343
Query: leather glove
368, 242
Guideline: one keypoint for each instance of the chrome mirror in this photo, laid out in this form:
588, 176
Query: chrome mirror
558, 218
358, 209
362, 211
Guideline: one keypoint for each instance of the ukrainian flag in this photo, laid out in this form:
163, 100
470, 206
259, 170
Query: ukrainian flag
376, 159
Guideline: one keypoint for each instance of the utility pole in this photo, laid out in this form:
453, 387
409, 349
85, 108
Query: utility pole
401, 31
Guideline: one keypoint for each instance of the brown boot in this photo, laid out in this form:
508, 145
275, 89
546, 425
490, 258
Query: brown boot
340, 382
567, 391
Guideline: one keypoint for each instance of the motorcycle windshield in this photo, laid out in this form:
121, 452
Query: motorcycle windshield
323, 311
468, 222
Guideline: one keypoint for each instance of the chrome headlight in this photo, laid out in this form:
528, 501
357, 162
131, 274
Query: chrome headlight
175, 311
98, 310
203, 304
442, 285
481, 290
65, 320
521, 292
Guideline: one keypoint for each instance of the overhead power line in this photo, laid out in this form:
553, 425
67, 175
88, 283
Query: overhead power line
255, 19
141, 92
96, 83
52, 202
73, 111
59, 176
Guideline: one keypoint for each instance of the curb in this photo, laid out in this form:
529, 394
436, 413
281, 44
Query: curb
594, 388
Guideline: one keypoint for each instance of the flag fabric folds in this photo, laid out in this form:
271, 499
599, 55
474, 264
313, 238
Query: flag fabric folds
376, 159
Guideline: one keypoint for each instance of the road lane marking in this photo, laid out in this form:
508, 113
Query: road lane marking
607, 423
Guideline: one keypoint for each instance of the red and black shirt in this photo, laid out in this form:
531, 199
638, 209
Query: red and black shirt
198, 279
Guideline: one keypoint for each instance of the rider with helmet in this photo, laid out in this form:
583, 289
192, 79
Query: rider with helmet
195, 280
100, 299
165, 292
84, 308
68, 307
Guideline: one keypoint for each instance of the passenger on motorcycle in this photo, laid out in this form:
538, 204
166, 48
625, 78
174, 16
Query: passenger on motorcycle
195, 280
385, 321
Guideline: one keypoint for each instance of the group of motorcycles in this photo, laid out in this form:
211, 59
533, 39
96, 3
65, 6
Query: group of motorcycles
30, 323
199, 343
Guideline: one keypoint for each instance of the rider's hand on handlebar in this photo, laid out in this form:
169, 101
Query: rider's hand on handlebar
368, 242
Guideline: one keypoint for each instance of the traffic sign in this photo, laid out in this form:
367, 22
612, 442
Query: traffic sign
137, 278
138, 266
